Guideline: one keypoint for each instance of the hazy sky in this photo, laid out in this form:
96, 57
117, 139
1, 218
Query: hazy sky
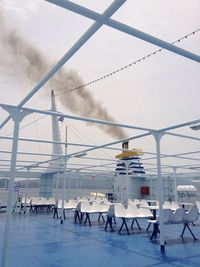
158, 92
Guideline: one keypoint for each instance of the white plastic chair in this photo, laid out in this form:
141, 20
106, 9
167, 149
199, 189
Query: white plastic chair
167, 205
177, 216
86, 208
144, 202
130, 201
156, 222
58, 207
71, 204
102, 209
145, 213
124, 214
36, 202
111, 216
198, 205
190, 217
136, 201
133, 212
77, 213
175, 205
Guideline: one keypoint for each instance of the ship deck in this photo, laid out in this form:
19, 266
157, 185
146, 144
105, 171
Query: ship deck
39, 240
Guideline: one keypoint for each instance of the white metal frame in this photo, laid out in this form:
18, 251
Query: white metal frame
18, 113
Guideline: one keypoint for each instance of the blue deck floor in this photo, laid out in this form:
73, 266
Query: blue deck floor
41, 241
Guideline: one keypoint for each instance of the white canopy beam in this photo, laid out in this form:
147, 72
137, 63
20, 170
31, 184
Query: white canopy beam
125, 28
183, 136
72, 117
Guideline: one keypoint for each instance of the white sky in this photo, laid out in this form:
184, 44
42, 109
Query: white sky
158, 92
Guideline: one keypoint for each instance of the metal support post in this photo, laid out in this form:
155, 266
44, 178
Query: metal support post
158, 135
77, 183
126, 184
70, 185
57, 185
62, 217
175, 184
17, 116
151, 189
79, 186
26, 192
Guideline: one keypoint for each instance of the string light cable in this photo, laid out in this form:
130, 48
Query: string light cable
126, 66
112, 73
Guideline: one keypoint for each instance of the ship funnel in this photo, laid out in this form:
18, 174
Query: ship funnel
125, 145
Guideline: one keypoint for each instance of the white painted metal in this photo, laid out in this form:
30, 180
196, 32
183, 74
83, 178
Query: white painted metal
26, 191
17, 112
63, 143
70, 185
57, 114
126, 29
175, 184
195, 126
184, 136
180, 125
57, 183
17, 116
158, 136
66, 158
63, 192
82, 40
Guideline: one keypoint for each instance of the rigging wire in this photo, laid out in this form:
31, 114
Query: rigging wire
77, 133
74, 130
125, 67
28, 124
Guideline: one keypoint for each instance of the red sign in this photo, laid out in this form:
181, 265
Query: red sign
145, 190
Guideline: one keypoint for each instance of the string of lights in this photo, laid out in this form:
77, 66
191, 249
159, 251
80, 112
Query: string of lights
126, 66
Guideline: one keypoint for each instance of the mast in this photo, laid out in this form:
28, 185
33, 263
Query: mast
56, 136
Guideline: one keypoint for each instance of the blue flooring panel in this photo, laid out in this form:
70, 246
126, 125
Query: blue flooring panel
38, 240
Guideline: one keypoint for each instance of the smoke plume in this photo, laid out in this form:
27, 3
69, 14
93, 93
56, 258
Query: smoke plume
24, 62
